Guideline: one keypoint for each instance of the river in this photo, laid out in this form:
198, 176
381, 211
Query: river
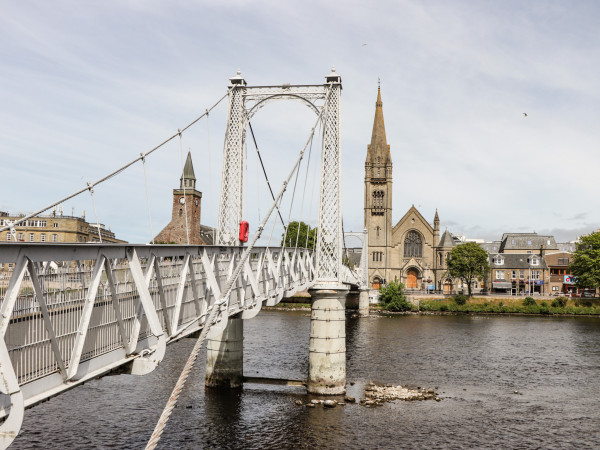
475, 363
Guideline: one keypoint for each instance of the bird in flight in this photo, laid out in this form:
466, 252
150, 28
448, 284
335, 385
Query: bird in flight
364, 45
524, 114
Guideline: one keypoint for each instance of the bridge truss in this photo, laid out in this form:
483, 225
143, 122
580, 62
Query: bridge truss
73, 312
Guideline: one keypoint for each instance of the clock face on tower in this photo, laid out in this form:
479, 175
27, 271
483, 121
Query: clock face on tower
182, 200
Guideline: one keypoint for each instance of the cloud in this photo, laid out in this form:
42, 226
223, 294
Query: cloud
87, 87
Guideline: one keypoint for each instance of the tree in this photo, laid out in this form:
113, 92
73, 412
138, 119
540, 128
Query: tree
392, 297
585, 266
305, 238
468, 262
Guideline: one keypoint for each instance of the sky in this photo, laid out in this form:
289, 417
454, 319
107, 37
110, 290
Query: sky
85, 87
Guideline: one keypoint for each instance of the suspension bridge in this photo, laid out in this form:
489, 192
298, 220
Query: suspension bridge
72, 312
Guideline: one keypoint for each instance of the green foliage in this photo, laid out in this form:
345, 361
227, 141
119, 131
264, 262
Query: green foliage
559, 302
529, 301
544, 304
585, 266
392, 297
460, 299
305, 238
468, 262
443, 307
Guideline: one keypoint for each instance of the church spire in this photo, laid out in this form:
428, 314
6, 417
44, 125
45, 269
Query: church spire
378, 147
188, 178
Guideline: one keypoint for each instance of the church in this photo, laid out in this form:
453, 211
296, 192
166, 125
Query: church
411, 251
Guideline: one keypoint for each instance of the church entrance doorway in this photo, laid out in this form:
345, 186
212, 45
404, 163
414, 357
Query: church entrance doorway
376, 283
412, 276
448, 287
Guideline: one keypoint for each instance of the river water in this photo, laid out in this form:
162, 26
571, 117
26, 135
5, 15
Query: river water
475, 363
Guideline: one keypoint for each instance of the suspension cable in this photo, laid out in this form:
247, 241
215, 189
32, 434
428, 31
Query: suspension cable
116, 172
218, 307
303, 193
91, 189
263, 169
183, 183
147, 198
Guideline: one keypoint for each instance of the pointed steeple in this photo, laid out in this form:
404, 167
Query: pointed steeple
378, 146
188, 178
436, 220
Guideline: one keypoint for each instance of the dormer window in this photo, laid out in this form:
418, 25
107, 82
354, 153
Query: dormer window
534, 261
498, 260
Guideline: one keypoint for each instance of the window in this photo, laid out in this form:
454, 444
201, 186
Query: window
498, 260
555, 288
548, 241
534, 261
563, 261
377, 256
31, 237
413, 247
43, 237
8, 237
55, 238
535, 274
514, 275
512, 242
521, 274
528, 242
377, 203
499, 275
55, 224
20, 237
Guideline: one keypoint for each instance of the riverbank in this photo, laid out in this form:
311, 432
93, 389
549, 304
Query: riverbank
527, 305
559, 306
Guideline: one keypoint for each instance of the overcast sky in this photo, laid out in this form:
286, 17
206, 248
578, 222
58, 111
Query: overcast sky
86, 86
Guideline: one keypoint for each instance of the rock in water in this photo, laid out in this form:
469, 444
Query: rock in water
329, 403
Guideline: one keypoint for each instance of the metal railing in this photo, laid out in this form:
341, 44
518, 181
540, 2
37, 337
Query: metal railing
71, 312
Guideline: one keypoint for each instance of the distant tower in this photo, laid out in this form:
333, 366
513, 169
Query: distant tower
436, 229
188, 200
378, 198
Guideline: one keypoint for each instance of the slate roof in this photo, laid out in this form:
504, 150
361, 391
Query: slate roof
207, 234
526, 241
516, 261
188, 169
446, 240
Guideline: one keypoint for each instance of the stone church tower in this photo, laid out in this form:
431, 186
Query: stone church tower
378, 198
185, 217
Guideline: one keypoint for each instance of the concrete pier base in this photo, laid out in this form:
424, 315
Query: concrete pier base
363, 302
327, 351
225, 355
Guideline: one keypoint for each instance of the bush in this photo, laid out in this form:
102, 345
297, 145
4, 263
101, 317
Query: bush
460, 299
529, 301
392, 297
559, 302
444, 308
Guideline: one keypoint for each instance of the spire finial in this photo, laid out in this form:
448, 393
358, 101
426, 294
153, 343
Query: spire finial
378, 83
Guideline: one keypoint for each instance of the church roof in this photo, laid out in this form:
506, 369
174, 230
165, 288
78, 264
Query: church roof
446, 240
188, 169
378, 146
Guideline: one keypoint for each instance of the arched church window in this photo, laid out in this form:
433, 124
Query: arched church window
413, 245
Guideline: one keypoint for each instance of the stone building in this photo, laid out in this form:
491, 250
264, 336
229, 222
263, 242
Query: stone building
411, 251
185, 227
55, 228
